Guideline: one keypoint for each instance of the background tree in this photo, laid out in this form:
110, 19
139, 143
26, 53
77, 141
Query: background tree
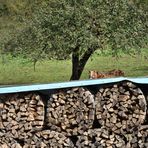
78, 28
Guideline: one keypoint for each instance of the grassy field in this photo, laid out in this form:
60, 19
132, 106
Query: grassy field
20, 71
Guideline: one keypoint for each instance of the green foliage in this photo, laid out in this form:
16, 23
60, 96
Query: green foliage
78, 28
61, 26
18, 7
3, 9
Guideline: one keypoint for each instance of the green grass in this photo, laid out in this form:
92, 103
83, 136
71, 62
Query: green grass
20, 71
46, 71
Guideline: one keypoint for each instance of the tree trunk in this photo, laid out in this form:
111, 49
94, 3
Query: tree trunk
79, 64
75, 66
84, 60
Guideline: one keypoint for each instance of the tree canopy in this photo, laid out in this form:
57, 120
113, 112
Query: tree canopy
80, 27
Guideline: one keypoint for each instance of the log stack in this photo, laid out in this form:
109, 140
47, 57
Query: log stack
72, 111
120, 108
143, 136
6, 141
50, 139
100, 138
103, 138
113, 117
21, 114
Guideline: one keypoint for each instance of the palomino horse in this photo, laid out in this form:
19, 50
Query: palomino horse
113, 73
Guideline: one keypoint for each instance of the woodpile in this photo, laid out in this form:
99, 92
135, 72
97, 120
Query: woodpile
50, 139
103, 138
138, 138
100, 138
114, 116
72, 111
120, 108
6, 141
143, 136
21, 114
39, 139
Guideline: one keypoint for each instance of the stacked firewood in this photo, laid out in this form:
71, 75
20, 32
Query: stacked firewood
100, 138
143, 136
6, 141
71, 111
50, 139
103, 138
120, 108
113, 117
21, 114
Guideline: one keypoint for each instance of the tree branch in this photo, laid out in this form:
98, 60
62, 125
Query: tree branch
85, 57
